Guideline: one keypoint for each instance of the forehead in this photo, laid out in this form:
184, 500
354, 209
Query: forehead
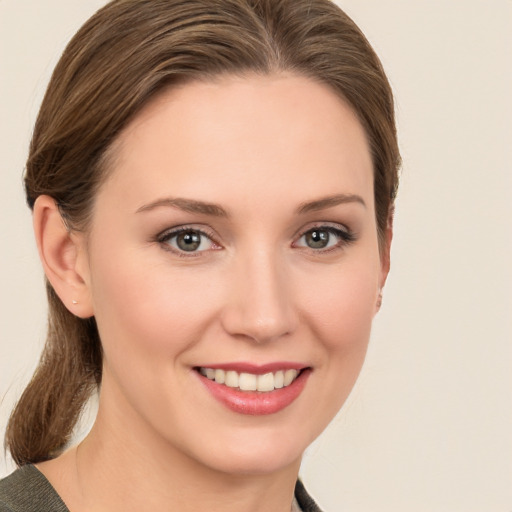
255, 134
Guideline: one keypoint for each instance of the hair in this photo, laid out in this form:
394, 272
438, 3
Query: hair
124, 55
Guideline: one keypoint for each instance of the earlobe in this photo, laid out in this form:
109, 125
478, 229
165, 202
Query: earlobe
60, 251
379, 302
385, 256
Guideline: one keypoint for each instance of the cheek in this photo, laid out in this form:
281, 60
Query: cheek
340, 313
154, 311
341, 306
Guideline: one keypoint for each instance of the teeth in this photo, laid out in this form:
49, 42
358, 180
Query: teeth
231, 379
289, 376
266, 382
220, 376
249, 381
279, 379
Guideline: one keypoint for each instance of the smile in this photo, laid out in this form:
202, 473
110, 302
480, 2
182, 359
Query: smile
249, 381
254, 390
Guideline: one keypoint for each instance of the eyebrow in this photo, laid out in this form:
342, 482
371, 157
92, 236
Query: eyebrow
328, 202
215, 210
187, 205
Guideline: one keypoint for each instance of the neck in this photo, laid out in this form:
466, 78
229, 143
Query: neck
171, 482
119, 469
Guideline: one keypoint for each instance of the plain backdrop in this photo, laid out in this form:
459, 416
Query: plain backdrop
429, 424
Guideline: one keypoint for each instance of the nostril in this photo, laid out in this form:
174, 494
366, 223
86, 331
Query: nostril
245, 324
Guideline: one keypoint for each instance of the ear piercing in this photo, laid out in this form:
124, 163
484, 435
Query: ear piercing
379, 299
74, 302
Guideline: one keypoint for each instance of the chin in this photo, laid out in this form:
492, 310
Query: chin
268, 449
262, 460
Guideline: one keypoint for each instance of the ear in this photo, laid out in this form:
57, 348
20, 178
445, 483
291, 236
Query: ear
385, 255
64, 257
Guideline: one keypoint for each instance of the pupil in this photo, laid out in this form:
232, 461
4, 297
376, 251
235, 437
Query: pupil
317, 239
188, 241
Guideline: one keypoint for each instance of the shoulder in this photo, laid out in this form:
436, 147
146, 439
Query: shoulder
304, 500
27, 490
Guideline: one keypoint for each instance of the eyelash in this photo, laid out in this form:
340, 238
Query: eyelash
345, 238
169, 234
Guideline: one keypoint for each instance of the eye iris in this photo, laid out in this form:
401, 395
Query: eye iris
317, 239
188, 241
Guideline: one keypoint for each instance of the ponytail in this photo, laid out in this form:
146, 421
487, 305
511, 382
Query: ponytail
69, 370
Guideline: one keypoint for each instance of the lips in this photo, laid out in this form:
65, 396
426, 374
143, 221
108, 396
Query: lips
252, 390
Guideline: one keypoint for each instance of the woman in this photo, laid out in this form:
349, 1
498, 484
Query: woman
212, 185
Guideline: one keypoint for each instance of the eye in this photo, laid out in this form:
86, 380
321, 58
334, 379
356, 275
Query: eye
325, 237
187, 240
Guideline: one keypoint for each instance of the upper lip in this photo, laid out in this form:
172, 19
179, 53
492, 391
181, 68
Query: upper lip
256, 369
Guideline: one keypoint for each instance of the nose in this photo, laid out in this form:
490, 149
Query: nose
260, 304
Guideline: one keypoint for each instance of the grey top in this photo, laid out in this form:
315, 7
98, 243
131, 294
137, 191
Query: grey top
27, 490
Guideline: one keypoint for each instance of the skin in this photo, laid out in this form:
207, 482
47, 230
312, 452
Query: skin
260, 148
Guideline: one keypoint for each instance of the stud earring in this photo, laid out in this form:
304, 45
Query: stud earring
379, 300
74, 302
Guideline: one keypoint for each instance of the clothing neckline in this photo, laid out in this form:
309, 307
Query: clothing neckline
35, 484
28, 489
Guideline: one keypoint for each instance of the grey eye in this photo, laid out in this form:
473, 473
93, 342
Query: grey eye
325, 237
188, 241
317, 238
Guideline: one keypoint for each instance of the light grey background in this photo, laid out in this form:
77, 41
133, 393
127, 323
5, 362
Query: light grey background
429, 425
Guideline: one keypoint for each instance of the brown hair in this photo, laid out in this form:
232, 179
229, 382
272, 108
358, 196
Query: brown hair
126, 53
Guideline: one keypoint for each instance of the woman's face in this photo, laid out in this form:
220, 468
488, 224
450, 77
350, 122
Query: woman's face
235, 237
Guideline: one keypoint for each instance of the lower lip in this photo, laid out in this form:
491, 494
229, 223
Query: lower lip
256, 403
